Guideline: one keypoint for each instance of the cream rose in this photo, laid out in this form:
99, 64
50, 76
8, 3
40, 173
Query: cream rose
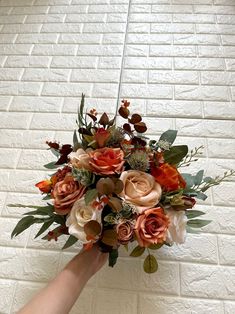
81, 214
80, 159
176, 232
140, 189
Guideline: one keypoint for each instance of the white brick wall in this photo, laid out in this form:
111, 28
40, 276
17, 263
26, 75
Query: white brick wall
175, 60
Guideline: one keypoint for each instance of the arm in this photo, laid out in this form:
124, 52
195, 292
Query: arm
59, 295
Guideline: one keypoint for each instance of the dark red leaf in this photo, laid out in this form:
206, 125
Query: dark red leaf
140, 127
135, 118
92, 117
54, 145
124, 112
127, 127
104, 119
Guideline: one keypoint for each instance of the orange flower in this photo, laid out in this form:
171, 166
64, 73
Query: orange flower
107, 161
65, 193
168, 177
44, 186
151, 227
101, 137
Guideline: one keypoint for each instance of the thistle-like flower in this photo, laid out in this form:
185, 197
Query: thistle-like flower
139, 160
84, 176
116, 137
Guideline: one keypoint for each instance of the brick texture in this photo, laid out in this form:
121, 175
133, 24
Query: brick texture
175, 61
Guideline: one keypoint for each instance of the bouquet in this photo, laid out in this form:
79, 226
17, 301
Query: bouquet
114, 186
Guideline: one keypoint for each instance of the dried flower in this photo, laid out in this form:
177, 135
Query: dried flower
139, 160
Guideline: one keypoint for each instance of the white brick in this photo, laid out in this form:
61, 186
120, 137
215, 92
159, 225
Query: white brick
172, 8
99, 50
172, 51
35, 159
106, 299
146, 91
138, 28
25, 138
172, 28
80, 38
36, 104
53, 121
24, 293
54, 50
200, 280
112, 39
7, 38
61, 28
168, 305
201, 93
199, 64
109, 63
118, 8
104, 28
197, 39
68, 9
134, 76
104, 90
219, 110
222, 194
149, 39
209, 128
225, 19
229, 307
218, 78
54, 75
15, 49
228, 40
73, 62
4, 102
27, 61
9, 162
230, 64
4, 19
85, 18
215, 29
45, 18
19, 88
86, 75
21, 28
167, 108
37, 38
30, 10
7, 288
150, 18
173, 77
28, 264
137, 50
226, 250
8, 74
66, 89
149, 63
193, 18
7, 225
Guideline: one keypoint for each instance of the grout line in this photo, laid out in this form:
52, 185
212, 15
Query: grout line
123, 58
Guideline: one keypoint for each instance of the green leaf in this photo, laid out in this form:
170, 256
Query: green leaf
208, 179
155, 246
201, 196
150, 264
51, 165
24, 206
188, 179
198, 177
22, 225
194, 213
175, 154
44, 227
190, 230
113, 255
138, 251
168, 136
76, 144
71, 241
42, 211
198, 223
90, 196
55, 152
47, 197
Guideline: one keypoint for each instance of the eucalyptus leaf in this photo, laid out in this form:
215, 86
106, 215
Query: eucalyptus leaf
71, 241
175, 154
55, 152
197, 223
51, 165
189, 179
138, 251
194, 213
168, 136
198, 177
150, 264
76, 144
201, 196
191, 230
90, 195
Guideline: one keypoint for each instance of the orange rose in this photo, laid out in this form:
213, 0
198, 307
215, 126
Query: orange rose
65, 193
169, 177
107, 161
151, 227
125, 231
44, 186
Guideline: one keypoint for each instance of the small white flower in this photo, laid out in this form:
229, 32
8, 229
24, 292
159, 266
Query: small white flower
176, 232
81, 214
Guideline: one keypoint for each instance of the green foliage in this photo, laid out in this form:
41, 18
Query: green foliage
138, 251
194, 213
22, 225
51, 165
44, 227
71, 241
191, 156
76, 143
90, 196
175, 154
150, 264
167, 139
155, 246
197, 223
113, 256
